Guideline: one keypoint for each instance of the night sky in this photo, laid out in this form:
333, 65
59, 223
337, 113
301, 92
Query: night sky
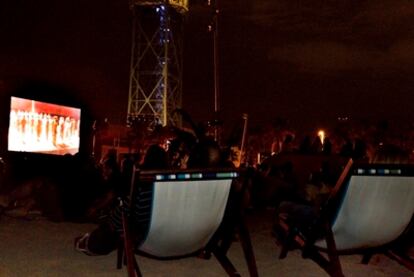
306, 61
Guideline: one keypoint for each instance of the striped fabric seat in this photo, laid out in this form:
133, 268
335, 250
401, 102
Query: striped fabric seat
174, 214
370, 211
376, 208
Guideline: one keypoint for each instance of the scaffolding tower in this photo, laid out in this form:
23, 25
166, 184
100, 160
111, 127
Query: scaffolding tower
155, 86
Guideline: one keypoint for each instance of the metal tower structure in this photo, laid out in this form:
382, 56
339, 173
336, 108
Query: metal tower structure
155, 86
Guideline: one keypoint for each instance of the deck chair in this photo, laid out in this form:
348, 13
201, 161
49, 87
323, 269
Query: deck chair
184, 213
370, 211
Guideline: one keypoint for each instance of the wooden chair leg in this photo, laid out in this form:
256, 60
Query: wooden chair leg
225, 263
335, 268
120, 254
220, 249
248, 249
401, 258
131, 263
225, 245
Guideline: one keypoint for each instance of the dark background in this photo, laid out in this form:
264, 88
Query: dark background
309, 62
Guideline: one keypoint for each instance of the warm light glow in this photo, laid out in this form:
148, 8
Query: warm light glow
43, 127
321, 135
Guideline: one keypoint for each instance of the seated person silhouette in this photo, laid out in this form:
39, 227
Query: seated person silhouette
104, 239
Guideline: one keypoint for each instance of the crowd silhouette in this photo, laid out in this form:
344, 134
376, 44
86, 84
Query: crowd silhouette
301, 168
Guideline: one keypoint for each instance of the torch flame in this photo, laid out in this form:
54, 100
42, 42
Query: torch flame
321, 135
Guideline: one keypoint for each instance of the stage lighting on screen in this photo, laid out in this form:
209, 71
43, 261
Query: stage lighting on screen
40, 127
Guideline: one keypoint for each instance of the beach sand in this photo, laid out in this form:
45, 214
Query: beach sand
39, 247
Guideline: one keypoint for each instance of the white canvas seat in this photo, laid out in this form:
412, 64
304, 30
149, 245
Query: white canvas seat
370, 210
185, 216
377, 207
183, 213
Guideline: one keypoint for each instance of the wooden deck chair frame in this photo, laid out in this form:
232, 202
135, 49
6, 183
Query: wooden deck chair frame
327, 257
221, 240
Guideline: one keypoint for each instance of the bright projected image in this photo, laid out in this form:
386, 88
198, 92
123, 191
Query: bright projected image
41, 127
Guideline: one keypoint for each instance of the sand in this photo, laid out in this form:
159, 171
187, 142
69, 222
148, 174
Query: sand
39, 247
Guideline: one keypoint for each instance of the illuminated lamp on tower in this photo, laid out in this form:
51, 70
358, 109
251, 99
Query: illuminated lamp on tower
155, 86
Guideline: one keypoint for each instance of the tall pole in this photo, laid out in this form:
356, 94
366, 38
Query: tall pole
216, 68
243, 142
214, 28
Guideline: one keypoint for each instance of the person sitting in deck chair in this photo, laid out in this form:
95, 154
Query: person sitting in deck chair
103, 240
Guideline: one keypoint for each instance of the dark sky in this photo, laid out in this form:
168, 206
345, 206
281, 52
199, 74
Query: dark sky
307, 61
313, 59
